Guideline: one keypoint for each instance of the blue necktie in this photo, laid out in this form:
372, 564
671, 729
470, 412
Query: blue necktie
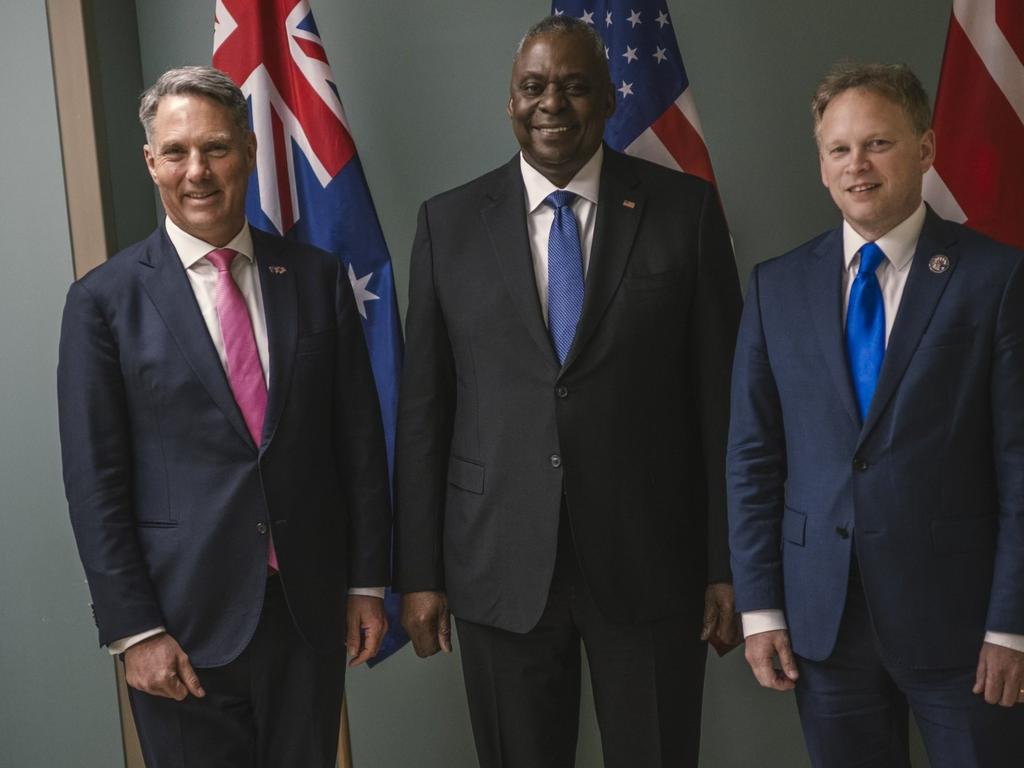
865, 327
565, 273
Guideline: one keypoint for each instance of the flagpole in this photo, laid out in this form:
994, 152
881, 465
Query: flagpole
344, 740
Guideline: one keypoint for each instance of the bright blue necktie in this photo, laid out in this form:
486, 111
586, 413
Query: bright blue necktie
565, 273
865, 327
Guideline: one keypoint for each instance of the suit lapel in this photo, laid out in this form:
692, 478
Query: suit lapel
824, 290
614, 233
168, 287
920, 297
280, 305
504, 215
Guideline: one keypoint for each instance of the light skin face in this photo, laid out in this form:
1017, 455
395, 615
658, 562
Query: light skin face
872, 160
200, 161
560, 97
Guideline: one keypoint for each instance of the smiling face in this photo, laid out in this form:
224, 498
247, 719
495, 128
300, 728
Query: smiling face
560, 99
200, 160
872, 160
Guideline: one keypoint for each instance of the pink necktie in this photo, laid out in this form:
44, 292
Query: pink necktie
245, 373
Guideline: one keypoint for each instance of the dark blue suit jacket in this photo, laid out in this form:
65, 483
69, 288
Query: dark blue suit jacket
170, 498
929, 489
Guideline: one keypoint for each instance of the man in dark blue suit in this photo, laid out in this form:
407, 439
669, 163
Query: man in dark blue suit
224, 458
876, 456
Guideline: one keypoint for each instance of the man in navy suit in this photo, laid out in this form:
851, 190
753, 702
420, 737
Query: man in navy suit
224, 458
875, 464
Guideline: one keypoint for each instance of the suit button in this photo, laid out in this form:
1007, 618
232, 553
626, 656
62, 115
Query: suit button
261, 528
843, 532
562, 391
556, 460
859, 464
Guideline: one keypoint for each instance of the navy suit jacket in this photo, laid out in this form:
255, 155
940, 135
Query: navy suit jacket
929, 489
494, 436
171, 500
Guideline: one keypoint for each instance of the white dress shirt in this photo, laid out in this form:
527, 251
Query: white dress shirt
585, 185
898, 245
202, 275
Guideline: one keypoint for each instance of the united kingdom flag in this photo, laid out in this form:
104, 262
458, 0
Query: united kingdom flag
309, 184
655, 116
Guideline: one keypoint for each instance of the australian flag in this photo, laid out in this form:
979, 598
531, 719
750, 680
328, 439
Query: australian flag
655, 116
308, 183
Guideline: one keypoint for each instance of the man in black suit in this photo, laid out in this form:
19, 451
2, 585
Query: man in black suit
224, 458
561, 481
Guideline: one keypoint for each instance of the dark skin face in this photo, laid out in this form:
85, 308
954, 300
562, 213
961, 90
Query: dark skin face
560, 98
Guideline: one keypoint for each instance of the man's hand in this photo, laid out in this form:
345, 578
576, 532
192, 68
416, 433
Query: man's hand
1000, 675
762, 649
721, 624
365, 627
428, 622
159, 667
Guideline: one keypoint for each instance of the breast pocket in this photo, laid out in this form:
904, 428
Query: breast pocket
314, 343
956, 336
654, 281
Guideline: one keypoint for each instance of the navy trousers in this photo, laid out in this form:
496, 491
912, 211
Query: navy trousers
854, 707
278, 704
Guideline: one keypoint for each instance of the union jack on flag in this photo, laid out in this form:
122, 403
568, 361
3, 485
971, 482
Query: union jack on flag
979, 121
655, 116
309, 184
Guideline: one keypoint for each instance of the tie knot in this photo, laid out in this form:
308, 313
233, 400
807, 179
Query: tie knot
221, 258
560, 198
870, 257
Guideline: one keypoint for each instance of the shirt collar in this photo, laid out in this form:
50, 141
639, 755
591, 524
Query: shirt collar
191, 249
585, 183
898, 244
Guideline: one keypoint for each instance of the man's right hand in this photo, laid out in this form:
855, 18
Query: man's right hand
428, 622
761, 651
158, 666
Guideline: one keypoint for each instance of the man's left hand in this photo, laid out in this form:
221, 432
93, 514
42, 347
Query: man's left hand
721, 623
1000, 675
366, 626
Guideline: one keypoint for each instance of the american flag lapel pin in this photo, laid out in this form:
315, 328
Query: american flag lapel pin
628, 204
276, 270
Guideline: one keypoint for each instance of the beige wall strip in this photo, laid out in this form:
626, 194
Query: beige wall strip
81, 142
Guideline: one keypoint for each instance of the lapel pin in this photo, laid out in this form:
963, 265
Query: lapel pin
628, 204
277, 270
939, 264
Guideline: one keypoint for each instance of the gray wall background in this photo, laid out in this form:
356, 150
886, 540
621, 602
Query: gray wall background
424, 86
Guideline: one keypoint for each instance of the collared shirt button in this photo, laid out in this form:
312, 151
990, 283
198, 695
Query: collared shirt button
261, 528
556, 460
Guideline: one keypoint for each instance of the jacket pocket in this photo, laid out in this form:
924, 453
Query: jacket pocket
965, 534
794, 526
312, 343
947, 337
465, 474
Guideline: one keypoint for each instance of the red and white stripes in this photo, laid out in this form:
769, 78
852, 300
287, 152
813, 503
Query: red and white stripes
978, 176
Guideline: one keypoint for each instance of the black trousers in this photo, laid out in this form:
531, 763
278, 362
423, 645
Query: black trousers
524, 689
278, 704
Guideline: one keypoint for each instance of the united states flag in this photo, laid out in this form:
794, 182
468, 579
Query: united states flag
655, 117
979, 121
308, 183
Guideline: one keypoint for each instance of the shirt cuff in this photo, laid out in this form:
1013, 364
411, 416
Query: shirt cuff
768, 620
118, 647
1005, 639
368, 591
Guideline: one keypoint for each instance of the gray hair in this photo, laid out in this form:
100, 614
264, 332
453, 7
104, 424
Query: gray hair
194, 81
565, 25
895, 82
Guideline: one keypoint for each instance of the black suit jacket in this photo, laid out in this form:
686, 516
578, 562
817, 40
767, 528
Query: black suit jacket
632, 428
170, 498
